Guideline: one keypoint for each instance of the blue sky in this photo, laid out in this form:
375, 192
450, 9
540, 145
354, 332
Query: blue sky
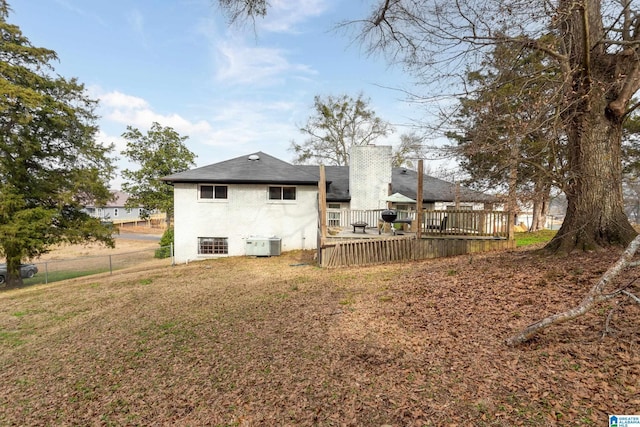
231, 90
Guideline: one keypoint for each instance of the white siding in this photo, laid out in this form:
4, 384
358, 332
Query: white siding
245, 213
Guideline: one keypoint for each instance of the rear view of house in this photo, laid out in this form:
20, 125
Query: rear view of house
258, 204
221, 208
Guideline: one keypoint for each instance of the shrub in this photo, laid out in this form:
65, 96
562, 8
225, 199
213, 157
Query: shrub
166, 241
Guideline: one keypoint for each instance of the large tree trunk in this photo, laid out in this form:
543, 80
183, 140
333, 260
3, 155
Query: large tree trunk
595, 209
598, 88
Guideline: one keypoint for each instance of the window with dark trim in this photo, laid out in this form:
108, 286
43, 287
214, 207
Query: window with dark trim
282, 193
213, 245
220, 192
213, 191
206, 191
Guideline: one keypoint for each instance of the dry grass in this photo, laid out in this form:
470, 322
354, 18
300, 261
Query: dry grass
277, 341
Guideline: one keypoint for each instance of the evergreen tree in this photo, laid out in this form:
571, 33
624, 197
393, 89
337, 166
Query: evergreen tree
51, 165
507, 132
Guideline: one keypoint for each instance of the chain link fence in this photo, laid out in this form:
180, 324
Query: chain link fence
55, 270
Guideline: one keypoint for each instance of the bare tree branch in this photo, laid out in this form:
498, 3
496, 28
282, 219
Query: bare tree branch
595, 296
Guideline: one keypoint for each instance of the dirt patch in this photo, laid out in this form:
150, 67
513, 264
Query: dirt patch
95, 249
278, 341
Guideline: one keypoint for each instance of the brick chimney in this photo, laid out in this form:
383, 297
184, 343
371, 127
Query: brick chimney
369, 176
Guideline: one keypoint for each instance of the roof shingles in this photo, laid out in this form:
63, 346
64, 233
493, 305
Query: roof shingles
270, 170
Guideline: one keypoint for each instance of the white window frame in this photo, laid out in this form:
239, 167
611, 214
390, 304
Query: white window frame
334, 213
217, 245
213, 197
282, 193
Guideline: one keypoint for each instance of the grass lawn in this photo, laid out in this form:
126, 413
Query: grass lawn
277, 341
526, 238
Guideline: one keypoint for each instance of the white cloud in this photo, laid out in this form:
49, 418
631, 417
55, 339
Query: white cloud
229, 129
284, 16
244, 127
117, 99
134, 111
241, 64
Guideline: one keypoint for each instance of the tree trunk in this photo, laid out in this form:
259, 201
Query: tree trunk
595, 209
540, 206
13, 279
597, 91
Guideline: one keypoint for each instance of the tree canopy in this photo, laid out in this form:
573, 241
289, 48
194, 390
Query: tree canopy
51, 165
159, 152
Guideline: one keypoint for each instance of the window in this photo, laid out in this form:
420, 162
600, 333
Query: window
220, 191
282, 193
213, 245
206, 191
333, 214
213, 191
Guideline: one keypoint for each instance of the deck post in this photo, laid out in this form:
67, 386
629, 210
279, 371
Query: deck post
322, 205
419, 213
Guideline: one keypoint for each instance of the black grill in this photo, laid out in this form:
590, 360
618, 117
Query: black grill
389, 215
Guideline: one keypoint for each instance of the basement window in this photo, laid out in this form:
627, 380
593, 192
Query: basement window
213, 245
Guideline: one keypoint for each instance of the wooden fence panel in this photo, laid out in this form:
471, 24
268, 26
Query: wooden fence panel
398, 249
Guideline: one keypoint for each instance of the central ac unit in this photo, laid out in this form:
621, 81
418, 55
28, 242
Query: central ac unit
263, 246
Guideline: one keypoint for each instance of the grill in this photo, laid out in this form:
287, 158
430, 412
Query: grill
389, 216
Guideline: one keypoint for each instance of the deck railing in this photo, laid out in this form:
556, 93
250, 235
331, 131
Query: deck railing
466, 223
479, 223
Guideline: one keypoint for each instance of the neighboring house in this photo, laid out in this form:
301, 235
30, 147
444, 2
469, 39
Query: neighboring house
114, 210
222, 207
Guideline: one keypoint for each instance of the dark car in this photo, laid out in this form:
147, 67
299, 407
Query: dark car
27, 271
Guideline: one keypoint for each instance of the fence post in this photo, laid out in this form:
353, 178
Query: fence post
173, 259
110, 266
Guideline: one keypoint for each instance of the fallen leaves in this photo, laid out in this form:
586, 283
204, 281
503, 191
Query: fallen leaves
244, 341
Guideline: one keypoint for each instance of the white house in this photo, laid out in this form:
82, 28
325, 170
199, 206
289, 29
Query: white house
224, 209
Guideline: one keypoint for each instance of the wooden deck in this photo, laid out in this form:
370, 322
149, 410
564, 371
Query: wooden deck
428, 234
443, 234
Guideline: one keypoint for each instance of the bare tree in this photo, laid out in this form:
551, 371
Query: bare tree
409, 150
336, 124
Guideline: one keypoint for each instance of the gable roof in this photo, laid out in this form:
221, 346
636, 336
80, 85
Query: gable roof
251, 169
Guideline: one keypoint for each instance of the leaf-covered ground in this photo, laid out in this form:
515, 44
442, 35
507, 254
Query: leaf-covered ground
277, 341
